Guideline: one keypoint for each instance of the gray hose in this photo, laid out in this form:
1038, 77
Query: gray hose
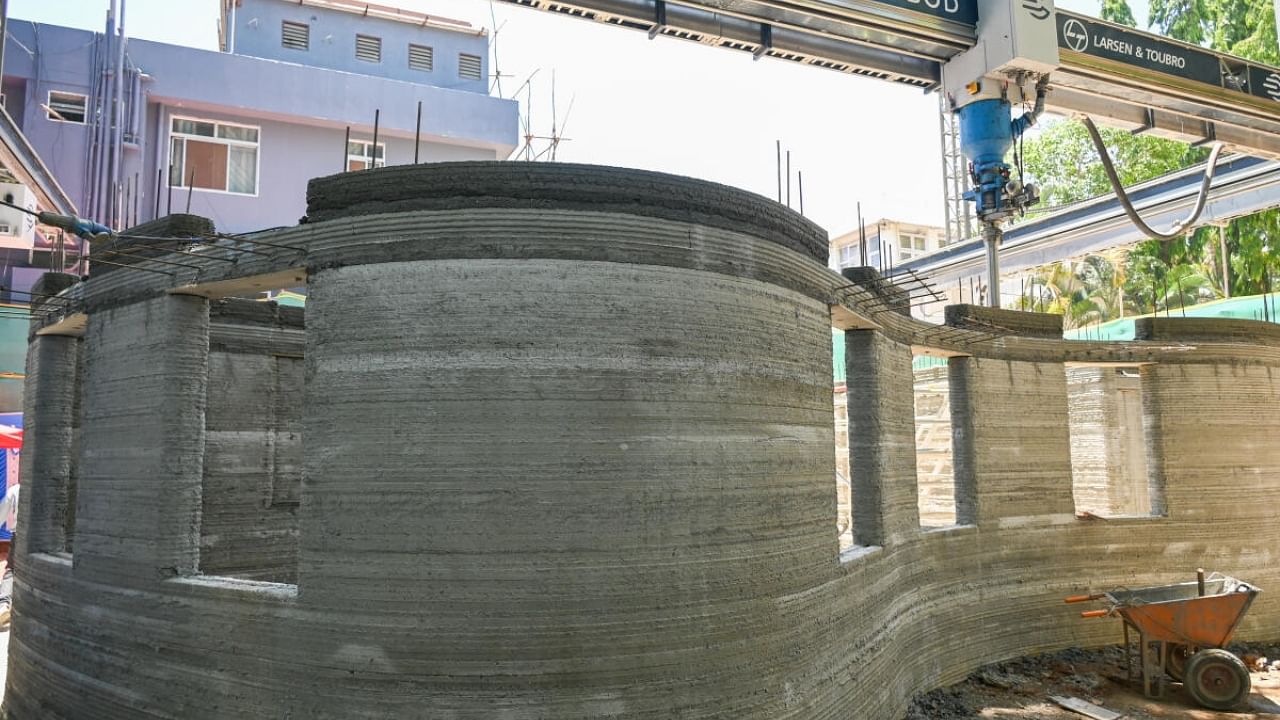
1179, 226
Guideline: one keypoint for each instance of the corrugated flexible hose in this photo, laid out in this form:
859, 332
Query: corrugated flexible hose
1180, 226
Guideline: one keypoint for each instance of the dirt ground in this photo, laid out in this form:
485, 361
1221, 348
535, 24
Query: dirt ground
1020, 689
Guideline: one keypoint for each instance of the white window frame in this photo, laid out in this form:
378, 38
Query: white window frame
50, 112
368, 145
914, 242
182, 180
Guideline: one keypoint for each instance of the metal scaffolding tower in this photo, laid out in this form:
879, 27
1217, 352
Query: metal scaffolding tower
955, 177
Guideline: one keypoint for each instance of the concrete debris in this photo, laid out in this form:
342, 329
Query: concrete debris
997, 677
1087, 709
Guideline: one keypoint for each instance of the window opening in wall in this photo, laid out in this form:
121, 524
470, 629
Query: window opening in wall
360, 155
251, 486
935, 470
911, 245
368, 48
1108, 443
212, 155
848, 255
844, 488
66, 107
421, 57
469, 67
295, 35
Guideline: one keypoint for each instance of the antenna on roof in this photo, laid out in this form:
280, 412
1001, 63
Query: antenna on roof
497, 68
557, 127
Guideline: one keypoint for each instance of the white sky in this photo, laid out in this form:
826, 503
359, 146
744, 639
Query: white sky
667, 104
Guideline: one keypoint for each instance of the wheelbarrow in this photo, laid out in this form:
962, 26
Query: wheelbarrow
1181, 631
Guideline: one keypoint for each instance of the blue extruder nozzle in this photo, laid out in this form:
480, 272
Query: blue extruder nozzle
986, 133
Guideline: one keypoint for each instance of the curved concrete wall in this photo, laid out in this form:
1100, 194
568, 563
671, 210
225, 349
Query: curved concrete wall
572, 458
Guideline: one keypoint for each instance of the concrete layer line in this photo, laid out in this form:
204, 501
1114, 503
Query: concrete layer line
569, 455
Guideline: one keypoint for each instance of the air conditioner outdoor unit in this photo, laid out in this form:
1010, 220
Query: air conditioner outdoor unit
17, 229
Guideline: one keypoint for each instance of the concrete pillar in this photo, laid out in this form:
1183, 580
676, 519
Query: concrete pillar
1011, 441
138, 501
882, 438
48, 442
1211, 440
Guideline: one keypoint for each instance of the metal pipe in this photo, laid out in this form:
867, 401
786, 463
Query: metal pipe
159, 174
993, 234
4, 31
346, 151
417, 134
1226, 261
191, 187
373, 161
1200, 581
135, 107
117, 105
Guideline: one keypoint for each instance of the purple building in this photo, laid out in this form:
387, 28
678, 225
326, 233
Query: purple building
245, 128
237, 133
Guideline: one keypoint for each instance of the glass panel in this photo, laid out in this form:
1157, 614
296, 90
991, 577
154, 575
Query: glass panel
242, 170
381, 151
192, 127
237, 132
175, 162
355, 148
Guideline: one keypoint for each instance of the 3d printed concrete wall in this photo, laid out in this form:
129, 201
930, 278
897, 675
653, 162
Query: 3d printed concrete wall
567, 452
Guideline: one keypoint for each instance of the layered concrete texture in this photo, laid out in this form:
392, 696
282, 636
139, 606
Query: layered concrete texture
572, 457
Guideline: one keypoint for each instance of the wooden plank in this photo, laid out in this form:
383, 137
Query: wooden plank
1085, 708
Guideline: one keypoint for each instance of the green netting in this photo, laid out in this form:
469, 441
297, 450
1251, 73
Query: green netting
1250, 307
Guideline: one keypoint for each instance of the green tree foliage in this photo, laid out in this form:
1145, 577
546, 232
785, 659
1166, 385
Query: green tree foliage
1154, 276
1117, 11
1062, 159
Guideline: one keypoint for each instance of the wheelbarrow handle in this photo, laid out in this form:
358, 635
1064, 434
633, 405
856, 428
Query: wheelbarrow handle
1084, 598
1095, 613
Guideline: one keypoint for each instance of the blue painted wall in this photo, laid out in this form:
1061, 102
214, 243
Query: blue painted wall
333, 43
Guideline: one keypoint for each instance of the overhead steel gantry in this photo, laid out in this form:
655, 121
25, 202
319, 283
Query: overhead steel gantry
987, 56
1127, 78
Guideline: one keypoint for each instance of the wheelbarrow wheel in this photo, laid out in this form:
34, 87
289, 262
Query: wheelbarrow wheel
1176, 666
1217, 679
